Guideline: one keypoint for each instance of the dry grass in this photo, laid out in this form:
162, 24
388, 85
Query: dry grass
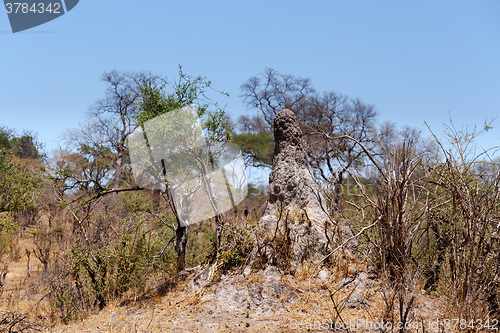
22, 293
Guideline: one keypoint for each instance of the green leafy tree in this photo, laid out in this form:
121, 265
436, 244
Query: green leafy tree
257, 148
187, 91
5, 137
19, 187
25, 145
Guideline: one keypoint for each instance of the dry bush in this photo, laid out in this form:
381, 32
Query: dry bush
463, 227
396, 204
437, 219
90, 254
15, 323
236, 245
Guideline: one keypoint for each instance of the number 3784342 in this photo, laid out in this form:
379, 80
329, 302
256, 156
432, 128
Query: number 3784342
36, 8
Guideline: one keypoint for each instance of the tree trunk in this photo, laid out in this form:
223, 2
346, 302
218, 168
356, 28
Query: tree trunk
336, 189
218, 232
118, 168
213, 202
181, 237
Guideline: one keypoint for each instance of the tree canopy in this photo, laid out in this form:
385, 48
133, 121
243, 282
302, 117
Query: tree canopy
20, 183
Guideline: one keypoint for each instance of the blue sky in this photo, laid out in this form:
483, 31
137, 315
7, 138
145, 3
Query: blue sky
415, 61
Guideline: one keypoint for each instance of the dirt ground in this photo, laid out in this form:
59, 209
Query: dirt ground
264, 301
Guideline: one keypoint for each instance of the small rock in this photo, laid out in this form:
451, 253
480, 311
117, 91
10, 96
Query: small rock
247, 271
363, 281
356, 300
323, 275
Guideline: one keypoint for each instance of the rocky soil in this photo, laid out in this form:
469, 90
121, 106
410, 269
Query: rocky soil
263, 301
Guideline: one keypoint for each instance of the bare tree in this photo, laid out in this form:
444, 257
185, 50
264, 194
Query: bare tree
112, 118
337, 116
272, 91
254, 124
